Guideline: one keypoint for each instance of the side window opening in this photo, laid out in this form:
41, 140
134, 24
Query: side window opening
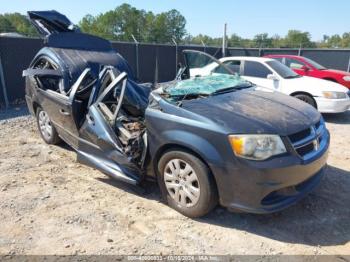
255, 69
294, 64
82, 97
234, 65
47, 82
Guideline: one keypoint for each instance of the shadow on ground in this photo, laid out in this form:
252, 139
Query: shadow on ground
322, 218
147, 190
13, 112
341, 118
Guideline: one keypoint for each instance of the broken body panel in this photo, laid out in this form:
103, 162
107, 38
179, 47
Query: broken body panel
71, 76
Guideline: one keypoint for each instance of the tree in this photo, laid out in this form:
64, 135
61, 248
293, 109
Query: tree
262, 40
345, 42
5, 25
333, 41
296, 38
234, 40
125, 21
276, 41
175, 25
207, 40
18, 23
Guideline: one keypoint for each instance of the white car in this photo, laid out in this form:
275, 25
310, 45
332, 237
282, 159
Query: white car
326, 96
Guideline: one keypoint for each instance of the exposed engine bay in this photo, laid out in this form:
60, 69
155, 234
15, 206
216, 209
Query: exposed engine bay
132, 134
130, 131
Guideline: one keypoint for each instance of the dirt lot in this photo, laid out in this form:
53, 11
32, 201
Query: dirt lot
52, 205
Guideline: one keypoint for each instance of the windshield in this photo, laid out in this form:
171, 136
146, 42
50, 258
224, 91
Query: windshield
314, 64
206, 85
282, 70
204, 76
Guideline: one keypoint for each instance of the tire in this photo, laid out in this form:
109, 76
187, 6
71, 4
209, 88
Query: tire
46, 129
307, 99
196, 187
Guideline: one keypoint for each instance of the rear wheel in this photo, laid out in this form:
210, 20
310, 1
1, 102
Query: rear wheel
307, 99
46, 128
187, 184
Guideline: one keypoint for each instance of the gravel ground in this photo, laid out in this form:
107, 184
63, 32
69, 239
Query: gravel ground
50, 204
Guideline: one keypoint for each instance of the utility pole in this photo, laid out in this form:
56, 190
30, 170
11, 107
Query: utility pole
176, 58
299, 51
224, 41
3, 85
137, 56
204, 46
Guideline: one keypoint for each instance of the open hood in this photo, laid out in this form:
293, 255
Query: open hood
51, 22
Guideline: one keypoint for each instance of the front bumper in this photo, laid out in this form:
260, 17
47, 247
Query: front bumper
325, 105
269, 186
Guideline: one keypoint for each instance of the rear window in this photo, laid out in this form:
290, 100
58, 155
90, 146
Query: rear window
280, 59
314, 64
282, 70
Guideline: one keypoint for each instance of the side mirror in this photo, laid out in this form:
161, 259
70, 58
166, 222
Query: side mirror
305, 68
272, 77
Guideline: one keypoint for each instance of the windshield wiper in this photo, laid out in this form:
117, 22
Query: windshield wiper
188, 95
232, 88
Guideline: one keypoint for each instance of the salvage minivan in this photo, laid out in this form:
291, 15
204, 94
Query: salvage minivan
205, 139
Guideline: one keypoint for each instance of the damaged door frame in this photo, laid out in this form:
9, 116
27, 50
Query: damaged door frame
99, 146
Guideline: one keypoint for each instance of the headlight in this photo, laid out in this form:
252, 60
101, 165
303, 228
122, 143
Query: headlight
257, 147
346, 78
334, 95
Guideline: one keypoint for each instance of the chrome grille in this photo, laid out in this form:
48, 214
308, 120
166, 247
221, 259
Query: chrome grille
309, 141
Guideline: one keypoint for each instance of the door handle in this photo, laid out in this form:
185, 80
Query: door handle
90, 120
64, 112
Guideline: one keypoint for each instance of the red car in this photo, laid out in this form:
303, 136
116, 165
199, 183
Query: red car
307, 67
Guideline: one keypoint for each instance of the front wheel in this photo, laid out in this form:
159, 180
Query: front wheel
187, 184
307, 99
46, 128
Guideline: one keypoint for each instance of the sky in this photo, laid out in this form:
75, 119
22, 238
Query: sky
243, 17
